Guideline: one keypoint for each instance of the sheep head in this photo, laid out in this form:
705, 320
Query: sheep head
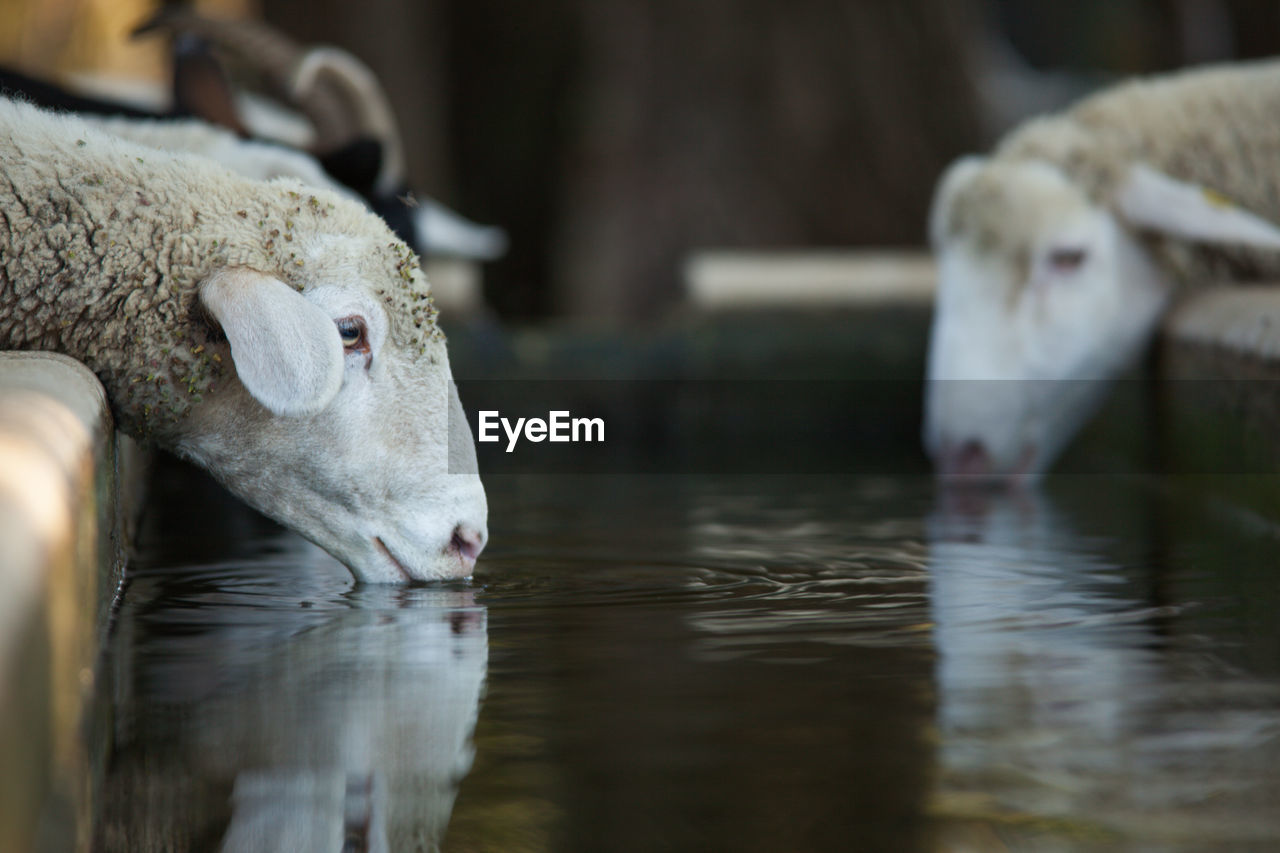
1044, 295
282, 338
342, 421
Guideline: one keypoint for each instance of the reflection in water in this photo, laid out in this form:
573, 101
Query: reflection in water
1067, 695
707, 663
267, 705
703, 664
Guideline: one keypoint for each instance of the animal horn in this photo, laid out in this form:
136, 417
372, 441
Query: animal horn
338, 93
333, 74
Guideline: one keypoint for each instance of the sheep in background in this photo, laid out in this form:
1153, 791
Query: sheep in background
1059, 253
280, 337
428, 224
357, 139
348, 140
251, 158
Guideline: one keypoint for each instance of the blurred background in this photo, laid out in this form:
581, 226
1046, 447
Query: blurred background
613, 137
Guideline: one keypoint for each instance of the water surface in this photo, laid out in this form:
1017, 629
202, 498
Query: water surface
708, 662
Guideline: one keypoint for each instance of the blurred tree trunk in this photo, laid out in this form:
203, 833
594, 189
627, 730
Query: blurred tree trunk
404, 42
754, 123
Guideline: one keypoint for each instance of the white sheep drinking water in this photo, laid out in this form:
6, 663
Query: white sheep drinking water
279, 336
1059, 253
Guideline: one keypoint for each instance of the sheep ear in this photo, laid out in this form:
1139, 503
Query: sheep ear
956, 176
1153, 200
286, 351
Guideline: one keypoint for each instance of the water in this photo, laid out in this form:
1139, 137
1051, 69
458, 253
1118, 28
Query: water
708, 663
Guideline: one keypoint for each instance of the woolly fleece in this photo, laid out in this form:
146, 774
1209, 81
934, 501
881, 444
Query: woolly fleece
1215, 127
104, 243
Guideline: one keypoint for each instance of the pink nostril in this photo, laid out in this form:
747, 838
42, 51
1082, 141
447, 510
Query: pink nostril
969, 459
467, 542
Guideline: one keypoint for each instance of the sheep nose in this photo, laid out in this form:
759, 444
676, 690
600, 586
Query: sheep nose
969, 459
467, 542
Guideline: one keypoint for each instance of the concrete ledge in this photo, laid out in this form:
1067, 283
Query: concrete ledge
64, 513
729, 280
1244, 321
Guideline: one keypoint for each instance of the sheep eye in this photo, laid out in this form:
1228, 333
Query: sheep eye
353, 334
1067, 260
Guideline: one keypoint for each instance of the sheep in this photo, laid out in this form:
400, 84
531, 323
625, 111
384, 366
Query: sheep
280, 337
1055, 687
356, 714
248, 157
1059, 253
430, 224
357, 139
356, 150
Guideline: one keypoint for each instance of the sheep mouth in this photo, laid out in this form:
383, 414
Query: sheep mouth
386, 552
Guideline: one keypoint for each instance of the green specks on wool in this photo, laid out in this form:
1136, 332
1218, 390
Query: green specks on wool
81, 143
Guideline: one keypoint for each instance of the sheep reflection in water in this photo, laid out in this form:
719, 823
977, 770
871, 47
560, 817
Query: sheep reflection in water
1072, 699
278, 722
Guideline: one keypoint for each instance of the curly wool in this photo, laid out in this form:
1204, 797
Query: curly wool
104, 244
